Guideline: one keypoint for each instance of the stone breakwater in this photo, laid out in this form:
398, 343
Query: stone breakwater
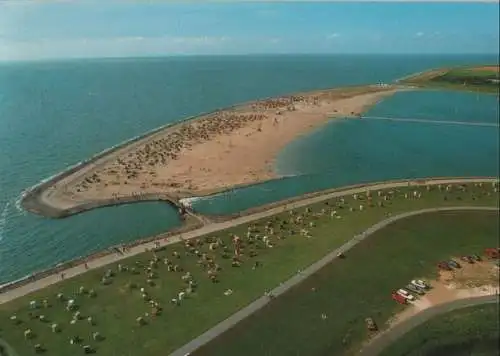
33, 204
30, 199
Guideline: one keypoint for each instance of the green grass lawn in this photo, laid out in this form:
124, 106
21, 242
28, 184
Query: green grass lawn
116, 307
469, 78
360, 286
5, 350
442, 84
471, 331
473, 72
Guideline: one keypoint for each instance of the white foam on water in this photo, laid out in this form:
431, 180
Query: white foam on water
17, 204
15, 281
3, 220
189, 201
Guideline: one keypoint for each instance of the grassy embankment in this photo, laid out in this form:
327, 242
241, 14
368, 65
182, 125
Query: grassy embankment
480, 79
116, 306
471, 331
347, 291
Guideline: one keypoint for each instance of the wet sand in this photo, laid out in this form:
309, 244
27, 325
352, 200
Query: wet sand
215, 152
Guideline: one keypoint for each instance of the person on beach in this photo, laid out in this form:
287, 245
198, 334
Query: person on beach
63, 275
86, 265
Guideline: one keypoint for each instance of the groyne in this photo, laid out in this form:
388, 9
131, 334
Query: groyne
413, 75
34, 205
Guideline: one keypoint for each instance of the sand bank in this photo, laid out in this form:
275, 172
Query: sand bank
214, 152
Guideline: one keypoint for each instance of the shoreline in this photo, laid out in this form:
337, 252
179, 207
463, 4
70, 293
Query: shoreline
57, 197
218, 223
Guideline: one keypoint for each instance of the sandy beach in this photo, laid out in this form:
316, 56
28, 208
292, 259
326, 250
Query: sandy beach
228, 148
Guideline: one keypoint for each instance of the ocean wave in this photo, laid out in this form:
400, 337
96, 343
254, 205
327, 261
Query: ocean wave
19, 207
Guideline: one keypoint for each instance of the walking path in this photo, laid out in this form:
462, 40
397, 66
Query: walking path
41, 283
381, 341
445, 122
300, 276
5, 349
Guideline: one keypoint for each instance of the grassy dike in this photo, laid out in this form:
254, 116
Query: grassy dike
470, 331
347, 291
116, 306
483, 79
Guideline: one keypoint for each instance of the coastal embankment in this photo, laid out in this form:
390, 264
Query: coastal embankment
32, 203
429, 73
198, 228
478, 78
200, 155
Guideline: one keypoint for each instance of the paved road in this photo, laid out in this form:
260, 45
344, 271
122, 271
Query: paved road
379, 343
444, 122
217, 226
299, 277
6, 349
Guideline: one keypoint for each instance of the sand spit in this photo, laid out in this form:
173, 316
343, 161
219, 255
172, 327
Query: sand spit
207, 154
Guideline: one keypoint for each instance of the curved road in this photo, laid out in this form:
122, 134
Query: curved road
380, 342
5, 349
299, 277
41, 283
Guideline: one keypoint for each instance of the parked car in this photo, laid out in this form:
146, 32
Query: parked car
444, 266
404, 293
491, 253
467, 259
398, 298
370, 324
476, 258
415, 289
454, 264
420, 284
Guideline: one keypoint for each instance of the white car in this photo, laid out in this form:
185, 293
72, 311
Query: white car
419, 283
404, 293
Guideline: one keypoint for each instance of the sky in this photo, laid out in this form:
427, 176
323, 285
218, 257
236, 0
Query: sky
34, 30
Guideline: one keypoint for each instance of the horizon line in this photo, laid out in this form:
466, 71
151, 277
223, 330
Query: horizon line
179, 55
20, 2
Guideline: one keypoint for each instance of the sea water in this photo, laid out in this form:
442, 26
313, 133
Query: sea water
352, 151
55, 114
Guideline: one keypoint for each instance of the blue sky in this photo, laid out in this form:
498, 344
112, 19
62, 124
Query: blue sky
68, 29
